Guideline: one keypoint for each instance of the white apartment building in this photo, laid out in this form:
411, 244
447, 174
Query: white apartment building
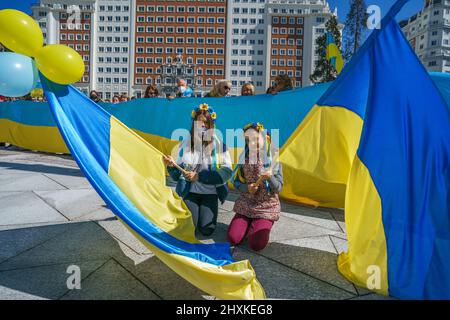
112, 26
428, 32
266, 38
246, 44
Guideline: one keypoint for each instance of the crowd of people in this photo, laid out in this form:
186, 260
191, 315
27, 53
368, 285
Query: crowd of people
221, 89
28, 97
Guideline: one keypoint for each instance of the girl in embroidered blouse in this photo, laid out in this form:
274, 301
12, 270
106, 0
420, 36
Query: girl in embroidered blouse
259, 182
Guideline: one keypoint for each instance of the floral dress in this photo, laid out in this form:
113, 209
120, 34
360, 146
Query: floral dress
260, 205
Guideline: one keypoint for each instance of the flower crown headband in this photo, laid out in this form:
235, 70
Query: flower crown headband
258, 127
204, 107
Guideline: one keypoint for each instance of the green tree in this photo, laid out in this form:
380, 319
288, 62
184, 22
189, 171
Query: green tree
355, 25
324, 70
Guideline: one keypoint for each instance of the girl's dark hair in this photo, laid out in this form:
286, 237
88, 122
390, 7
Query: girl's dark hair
151, 88
284, 80
209, 125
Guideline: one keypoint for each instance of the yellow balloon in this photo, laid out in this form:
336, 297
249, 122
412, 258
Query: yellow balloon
20, 33
60, 64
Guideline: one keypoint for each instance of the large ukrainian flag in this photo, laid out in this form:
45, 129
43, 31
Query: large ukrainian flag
397, 206
129, 174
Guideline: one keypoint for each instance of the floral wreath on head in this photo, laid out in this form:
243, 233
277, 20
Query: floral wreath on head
258, 127
204, 107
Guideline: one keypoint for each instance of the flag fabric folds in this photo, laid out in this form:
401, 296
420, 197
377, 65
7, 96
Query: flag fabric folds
129, 175
334, 54
397, 206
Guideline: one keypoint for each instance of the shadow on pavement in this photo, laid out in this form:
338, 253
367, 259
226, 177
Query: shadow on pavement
34, 262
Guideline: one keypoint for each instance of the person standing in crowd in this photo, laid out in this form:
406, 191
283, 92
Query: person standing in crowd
248, 90
221, 89
151, 92
183, 90
124, 98
259, 182
282, 83
207, 165
115, 99
94, 96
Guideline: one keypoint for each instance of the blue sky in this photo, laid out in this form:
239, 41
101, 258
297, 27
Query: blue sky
409, 9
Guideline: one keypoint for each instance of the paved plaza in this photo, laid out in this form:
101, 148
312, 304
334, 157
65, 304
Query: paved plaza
51, 218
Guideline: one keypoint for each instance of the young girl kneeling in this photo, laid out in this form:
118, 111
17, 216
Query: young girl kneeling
206, 166
259, 182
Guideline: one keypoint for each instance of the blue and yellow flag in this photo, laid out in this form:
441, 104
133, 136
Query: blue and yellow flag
334, 54
397, 206
129, 174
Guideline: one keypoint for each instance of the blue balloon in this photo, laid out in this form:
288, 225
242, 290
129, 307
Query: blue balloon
18, 74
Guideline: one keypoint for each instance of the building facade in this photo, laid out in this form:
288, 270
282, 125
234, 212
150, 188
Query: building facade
293, 27
112, 36
126, 43
246, 44
164, 29
428, 32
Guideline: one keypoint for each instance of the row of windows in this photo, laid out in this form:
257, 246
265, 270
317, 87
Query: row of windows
289, 62
296, 11
290, 73
289, 42
285, 20
113, 29
113, 49
115, 8
276, 30
112, 59
75, 26
179, 40
244, 52
289, 52
159, 29
171, 50
113, 39
248, 10
114, 18
112, 80
161, 19
181, 9
235, 62
244, 42
170, 40
208, 72
71, 37
244, 73
198, 61
111, 70
85, 16
247, 31
247, 21
199, 82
